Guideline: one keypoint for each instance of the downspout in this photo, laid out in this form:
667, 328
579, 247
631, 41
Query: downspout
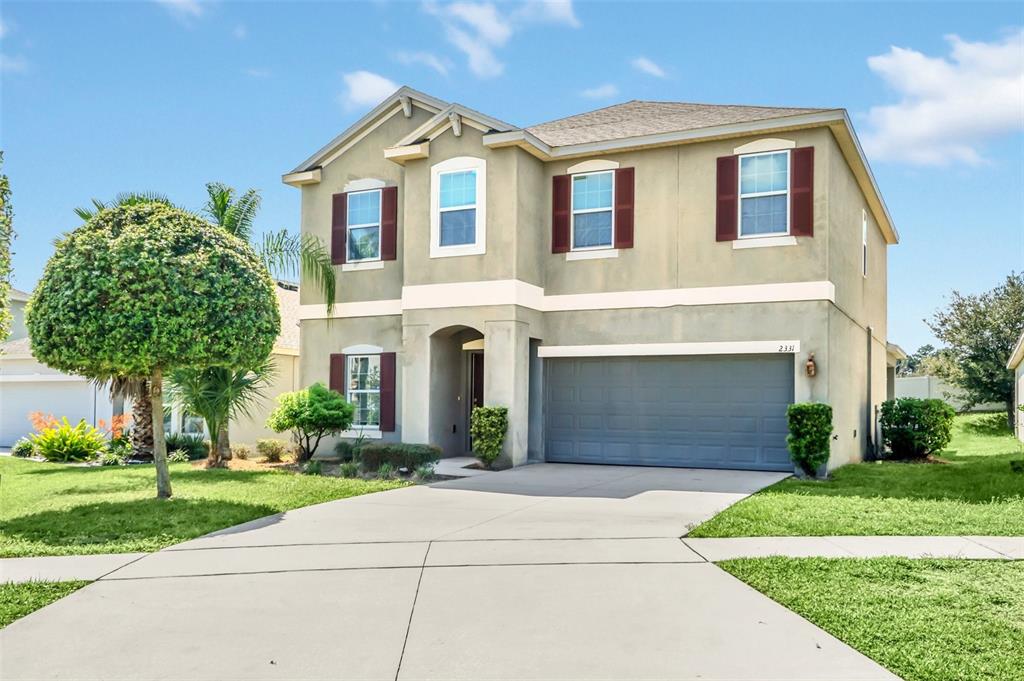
871, 454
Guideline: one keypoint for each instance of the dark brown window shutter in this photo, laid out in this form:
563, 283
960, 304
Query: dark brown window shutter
339, 228
561, 209
726, 207
801, 192
624, 208
389, 223
387, 392
337, 374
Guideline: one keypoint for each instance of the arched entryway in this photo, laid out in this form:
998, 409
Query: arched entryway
456, 385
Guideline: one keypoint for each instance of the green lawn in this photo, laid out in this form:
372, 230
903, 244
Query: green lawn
976, 493
925, 620
49, 509
18, 600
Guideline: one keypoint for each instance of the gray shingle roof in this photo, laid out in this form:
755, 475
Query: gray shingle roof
288, 303
637, 118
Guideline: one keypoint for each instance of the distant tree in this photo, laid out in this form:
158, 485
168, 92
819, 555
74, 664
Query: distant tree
6, 237
311, 415
141, 290
979, 332
911, 366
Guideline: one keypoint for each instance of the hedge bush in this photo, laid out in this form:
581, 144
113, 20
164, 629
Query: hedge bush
487, 427
241, 452
348, 450
194, 445
810, 429
398, 455
23, 448
915, 428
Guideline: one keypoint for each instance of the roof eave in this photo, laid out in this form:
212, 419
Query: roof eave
403, 93
1017, 355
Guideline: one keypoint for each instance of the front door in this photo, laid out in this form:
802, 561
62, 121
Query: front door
476, 389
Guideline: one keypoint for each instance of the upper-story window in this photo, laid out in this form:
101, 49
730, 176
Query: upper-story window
764, 194
363, 390
458, 207
364, 217
592, 215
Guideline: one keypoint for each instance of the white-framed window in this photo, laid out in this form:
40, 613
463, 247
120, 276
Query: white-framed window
593, 215
458, 207
362, 389
864, 242
363, 225
764, 194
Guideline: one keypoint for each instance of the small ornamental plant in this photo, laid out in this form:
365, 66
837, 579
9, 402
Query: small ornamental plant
487, 427
914, 428
810, 430
311, 415
141, 290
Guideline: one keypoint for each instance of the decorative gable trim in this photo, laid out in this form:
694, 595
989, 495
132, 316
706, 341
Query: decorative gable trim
378, 115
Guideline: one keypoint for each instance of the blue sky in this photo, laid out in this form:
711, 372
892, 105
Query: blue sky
102, 97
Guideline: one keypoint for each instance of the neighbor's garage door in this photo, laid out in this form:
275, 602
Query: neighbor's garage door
708, 412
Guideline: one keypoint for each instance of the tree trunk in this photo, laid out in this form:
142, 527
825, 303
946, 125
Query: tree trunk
223, 444
142, 427
163, 476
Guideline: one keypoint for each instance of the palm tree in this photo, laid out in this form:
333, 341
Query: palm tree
219, 395
283, 254
122, 199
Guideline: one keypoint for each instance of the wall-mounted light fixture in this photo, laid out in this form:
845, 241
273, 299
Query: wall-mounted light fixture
811, 366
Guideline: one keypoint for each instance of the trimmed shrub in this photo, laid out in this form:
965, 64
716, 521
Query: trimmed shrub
425, 472
272, 451
242, 452
487, 427
397, 455
65, 442
312, 468
810, 428
348, 450
349, 469
311, 415
178, 456
193, 445
914, 428
23, 448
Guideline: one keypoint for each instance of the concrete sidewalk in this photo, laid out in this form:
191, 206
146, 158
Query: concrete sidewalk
544, 572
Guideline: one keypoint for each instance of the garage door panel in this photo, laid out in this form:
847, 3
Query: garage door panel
722, 412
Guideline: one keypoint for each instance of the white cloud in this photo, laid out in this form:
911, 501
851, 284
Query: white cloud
428, 59
478, 29
257, 73
548, 11
605, 91
15, 64
364, 88
645, 65
240, 32
183, 10
949, 106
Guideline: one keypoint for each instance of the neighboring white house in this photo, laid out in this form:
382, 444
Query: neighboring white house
1017, 364
935, 387
27, 385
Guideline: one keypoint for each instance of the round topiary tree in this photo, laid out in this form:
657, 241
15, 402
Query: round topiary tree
142, 289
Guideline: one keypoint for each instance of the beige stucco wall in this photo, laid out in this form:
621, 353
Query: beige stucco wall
1018, 376
248, 429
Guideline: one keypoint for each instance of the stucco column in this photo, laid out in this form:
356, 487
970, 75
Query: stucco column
415, 384
507, 381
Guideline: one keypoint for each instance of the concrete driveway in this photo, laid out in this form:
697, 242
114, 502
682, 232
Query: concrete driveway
544, 572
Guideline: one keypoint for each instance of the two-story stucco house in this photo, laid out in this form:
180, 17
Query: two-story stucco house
650, 283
